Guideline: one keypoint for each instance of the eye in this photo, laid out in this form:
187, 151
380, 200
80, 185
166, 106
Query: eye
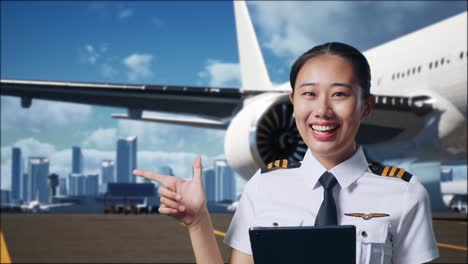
339, 94
308, 94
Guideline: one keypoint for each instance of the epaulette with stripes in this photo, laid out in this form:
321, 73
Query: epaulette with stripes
281, 164
390, 171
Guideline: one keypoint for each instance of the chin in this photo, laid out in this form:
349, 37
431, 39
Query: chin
330, 148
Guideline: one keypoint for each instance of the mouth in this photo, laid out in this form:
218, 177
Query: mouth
324, 131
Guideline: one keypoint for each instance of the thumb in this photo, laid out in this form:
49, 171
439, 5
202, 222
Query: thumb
197, 170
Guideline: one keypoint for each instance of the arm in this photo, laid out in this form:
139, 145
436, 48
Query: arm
203, 240
186, 202
204, 243
238, 257
415, 240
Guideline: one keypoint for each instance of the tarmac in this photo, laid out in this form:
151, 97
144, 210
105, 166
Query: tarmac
106, 238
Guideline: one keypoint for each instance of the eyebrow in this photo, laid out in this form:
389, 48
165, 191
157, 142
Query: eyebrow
334, 84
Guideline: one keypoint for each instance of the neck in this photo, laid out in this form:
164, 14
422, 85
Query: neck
331, 161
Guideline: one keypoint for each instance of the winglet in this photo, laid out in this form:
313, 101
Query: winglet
254, 74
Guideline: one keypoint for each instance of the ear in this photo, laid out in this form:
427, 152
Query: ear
291, 97
368, 106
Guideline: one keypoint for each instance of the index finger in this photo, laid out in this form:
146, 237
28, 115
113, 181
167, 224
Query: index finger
150, 175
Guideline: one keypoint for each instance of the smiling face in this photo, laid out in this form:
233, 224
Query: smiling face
328, 108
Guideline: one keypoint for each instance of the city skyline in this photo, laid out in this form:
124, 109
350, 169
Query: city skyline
36, 178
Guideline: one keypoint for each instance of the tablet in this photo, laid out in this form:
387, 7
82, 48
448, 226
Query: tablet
327, 244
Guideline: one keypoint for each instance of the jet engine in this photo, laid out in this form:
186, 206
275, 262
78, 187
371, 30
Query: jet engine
262, 132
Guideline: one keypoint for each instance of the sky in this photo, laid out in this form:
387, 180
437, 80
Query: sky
173, 43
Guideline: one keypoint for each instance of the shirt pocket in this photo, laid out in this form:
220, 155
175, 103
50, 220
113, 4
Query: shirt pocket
371, 242
276, 220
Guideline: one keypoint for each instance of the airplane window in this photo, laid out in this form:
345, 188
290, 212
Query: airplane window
402, 75
393, 76
398, 75
408, 72
435, 64
442, 61
419, 68
430, 65
461, 55
414, 70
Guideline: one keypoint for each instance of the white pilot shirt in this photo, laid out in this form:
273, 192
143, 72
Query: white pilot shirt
292, 197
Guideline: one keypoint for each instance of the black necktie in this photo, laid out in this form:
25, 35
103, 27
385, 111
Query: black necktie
327, 212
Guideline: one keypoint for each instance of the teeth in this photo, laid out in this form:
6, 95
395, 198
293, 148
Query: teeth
323, 128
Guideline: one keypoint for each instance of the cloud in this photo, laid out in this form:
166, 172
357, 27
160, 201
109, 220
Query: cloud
42, 114
174, 137
105, 10
125, 13
32, 147
90, 55
284, 33
219, 74
103, 47
103, 138
139, 66
96, 56
108, 71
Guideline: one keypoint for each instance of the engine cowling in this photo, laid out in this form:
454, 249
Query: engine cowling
263, 131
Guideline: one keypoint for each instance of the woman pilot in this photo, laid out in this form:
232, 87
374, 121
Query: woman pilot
331, 96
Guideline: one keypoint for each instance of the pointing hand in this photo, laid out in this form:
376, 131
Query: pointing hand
182, 199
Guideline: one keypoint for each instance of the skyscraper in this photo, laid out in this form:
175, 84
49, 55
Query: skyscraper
107, 171
126, 159
5, 197
77, 160
92, 183
17, 175
38, 180
63, 187
209, 183
77, 184
134, 159
225, 181
25, 189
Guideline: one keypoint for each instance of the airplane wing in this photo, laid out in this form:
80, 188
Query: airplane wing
207, 106
213, 103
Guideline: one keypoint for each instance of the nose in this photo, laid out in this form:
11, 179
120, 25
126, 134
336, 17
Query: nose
323, 109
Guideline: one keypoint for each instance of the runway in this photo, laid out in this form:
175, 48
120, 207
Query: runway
100, 238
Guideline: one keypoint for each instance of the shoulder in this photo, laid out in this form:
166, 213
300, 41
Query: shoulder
412, 188
273, 173
390, 171
280, 164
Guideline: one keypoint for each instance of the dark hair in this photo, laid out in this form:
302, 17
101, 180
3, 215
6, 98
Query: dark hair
358, 61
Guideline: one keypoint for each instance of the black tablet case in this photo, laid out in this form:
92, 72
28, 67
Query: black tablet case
327, 244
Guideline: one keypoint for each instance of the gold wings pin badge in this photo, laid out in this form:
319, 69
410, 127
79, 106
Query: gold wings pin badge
367, 216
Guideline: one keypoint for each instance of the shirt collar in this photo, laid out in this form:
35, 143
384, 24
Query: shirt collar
345, 173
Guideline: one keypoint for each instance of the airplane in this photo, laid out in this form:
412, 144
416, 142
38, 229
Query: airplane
419, 81
454, 195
